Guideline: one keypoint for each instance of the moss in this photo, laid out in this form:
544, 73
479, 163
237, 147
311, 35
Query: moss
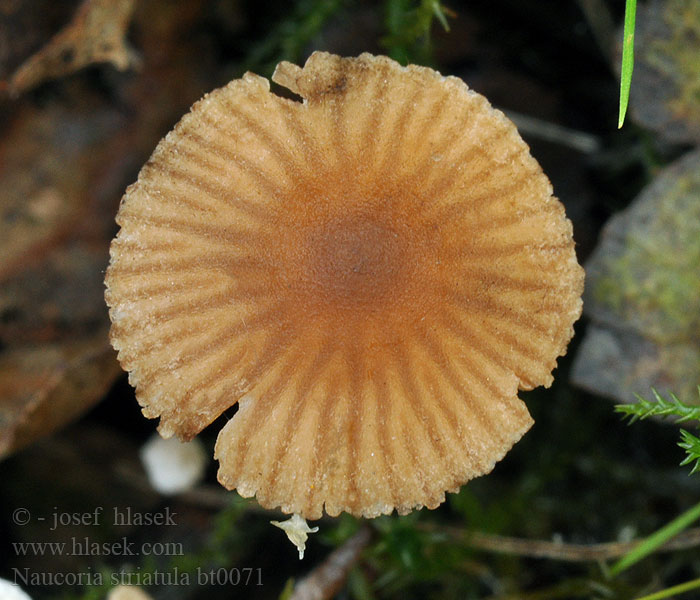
682, 366
678, 57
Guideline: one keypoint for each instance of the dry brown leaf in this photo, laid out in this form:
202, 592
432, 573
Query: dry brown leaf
64, 164
43, 388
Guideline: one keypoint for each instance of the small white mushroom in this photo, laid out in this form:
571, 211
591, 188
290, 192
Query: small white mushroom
173, 466
11, 591
127, 592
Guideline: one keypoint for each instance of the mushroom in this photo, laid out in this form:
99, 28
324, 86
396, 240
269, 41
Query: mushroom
12, 591
172, 466
371, 274
127, 592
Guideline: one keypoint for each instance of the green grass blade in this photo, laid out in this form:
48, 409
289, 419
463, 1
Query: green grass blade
650, 544
627, 59
672, 591
439, 13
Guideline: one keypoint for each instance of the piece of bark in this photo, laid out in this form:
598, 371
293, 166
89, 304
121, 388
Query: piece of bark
26, 25
96, 34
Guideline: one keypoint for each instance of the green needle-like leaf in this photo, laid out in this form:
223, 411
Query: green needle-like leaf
657, 539
627, 59
673, 591
440, 14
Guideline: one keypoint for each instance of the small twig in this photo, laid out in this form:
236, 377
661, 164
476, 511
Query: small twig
602, 26
557, 134
326, 579
556, 550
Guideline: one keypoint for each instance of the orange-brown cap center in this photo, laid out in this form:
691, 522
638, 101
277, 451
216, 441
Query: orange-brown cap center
355, 261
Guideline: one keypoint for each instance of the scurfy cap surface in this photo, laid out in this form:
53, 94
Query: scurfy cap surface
372, 274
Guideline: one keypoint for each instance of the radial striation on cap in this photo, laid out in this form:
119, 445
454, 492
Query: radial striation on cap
371, 274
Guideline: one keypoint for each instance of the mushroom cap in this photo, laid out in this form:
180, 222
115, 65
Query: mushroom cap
11, 591
372, 274
172, 466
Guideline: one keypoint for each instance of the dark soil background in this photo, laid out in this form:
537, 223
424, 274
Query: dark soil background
73, 136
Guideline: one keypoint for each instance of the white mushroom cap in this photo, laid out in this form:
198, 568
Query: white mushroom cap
11, 591
173, 466
127, 592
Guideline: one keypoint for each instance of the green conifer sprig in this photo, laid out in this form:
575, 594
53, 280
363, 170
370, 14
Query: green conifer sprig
691, 445
659, 407
665, 408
